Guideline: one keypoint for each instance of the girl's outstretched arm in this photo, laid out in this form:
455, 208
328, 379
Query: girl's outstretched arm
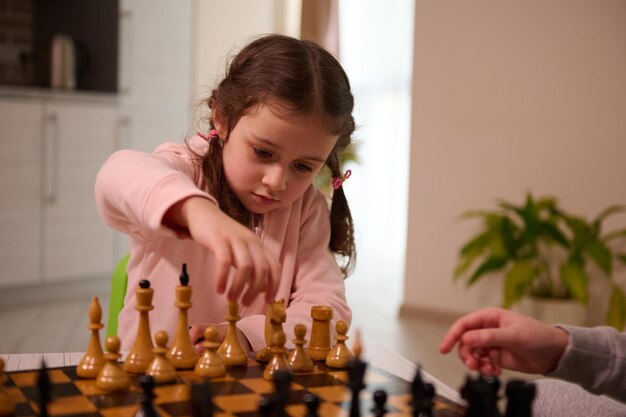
232, 244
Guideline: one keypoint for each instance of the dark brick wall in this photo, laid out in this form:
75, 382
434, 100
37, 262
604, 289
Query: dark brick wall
16, 42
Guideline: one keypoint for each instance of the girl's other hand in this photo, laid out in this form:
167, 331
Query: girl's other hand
232, 244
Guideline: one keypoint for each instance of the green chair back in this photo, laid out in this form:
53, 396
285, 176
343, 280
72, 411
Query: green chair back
119, 281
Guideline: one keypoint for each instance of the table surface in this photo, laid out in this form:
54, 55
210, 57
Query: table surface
377, 355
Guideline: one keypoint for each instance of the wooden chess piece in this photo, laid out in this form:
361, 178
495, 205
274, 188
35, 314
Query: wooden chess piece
210, 364
146, 398
93, 361
520, 395
340, 354
201, 399
112, 377
275, 316
312, 403
299, 360
278, 363
161, 369
230, 350
142, 352
182, 353
380, 399
44, 389
356, 376
319, 345
7, 405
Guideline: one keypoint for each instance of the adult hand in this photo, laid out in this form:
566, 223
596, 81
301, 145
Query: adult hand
232, 244
493, 338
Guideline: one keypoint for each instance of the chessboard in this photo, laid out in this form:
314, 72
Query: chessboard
236, 394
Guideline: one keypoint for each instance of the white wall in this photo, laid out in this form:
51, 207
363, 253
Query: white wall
508, 96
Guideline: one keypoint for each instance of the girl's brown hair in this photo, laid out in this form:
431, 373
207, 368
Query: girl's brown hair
306, 79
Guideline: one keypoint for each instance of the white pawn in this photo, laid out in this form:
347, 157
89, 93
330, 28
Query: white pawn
340, 354
279, 359
299, 360
161, 369
210, 365
112, 377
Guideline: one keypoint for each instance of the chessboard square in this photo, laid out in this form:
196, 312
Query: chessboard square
324, 410
334, 394
375, 378
24, 409
237, 403
176, 409
71, 405
340, 375
58, 391
400, 402
23, 379
171, 393
16, 395
115, 399
263, 386
126, 411
316, 380
245, 372
228, 388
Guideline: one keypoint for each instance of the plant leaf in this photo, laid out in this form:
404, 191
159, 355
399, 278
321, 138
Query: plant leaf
517, 281
601, 254
616, 314
574, 278
551, 230
465, 262
608, 212
477, 244
491, 264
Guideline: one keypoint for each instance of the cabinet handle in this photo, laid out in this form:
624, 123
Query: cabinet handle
122, 141
51, 158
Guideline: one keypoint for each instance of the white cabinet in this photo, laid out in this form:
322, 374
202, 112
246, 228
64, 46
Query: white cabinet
50, 152
20, 191
78, 137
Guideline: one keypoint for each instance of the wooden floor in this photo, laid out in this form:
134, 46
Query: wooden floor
58, 323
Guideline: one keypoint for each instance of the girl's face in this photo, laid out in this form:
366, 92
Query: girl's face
271, 157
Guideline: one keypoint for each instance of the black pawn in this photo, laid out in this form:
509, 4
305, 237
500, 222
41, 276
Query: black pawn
423, 394
520, 395
312, 403
282, 382
201, 402
44, 387
266, 406
380, 399
356, 374
146, 398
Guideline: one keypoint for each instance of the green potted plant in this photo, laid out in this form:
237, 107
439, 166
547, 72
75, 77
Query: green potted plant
545, 253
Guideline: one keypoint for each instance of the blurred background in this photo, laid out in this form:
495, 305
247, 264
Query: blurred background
458, 105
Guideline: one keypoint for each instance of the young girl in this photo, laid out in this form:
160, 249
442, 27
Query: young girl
238, 204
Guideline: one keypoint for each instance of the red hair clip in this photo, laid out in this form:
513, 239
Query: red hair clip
338, 181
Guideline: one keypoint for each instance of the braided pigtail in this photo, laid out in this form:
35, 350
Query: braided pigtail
341, 224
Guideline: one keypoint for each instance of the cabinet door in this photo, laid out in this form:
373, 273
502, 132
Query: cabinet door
20, 188
77, 244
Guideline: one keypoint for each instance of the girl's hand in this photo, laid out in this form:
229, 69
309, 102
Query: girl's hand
491, 339
233, 246
196, 333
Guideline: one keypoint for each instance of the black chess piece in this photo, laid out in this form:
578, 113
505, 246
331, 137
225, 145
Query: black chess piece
481, 396
356, 374
266, 406
44, 388
423, 394
146, 398
380, 400
312, 403
282, 381
520, 395
201, 399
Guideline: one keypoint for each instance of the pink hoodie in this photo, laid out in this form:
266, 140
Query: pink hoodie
133, 192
